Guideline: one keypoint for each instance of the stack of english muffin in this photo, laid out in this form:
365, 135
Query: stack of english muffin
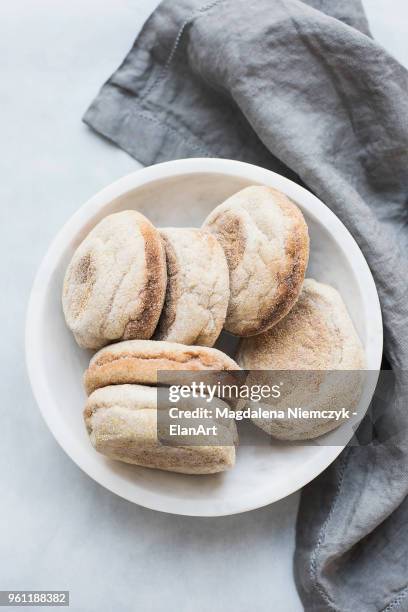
151, 299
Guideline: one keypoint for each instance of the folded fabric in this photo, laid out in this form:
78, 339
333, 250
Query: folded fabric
300, 88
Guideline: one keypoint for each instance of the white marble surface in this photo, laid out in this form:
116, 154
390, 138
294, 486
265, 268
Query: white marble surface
60, 530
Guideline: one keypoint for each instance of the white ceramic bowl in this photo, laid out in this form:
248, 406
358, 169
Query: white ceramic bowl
182, 193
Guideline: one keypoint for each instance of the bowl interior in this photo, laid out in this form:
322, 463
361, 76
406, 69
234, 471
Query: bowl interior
264, 473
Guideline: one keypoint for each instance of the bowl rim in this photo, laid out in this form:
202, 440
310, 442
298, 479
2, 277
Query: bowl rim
307, 201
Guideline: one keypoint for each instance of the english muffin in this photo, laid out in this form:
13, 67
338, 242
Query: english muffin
122, 422
138, 361
197, 288
317, 337
115, 285
266, 243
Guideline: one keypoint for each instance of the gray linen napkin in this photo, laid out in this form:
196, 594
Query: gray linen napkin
300, 88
